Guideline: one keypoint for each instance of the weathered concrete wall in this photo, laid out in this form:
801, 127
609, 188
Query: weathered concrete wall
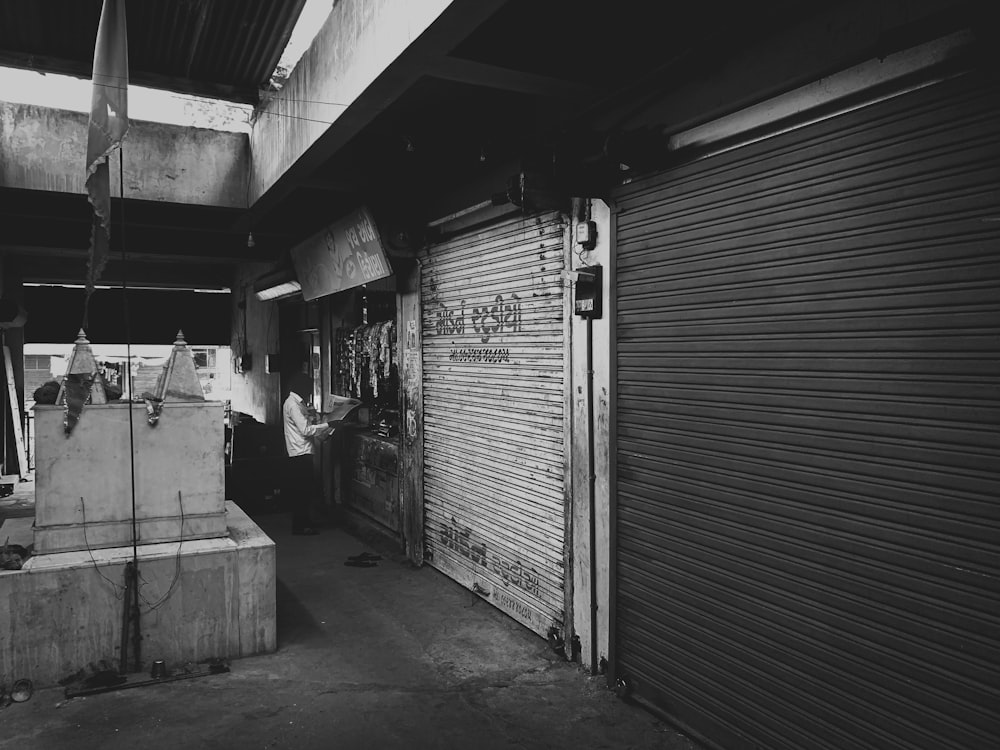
356, 44
45, 149
255, 330
216, 598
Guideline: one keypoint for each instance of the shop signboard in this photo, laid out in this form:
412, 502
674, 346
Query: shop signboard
346, 254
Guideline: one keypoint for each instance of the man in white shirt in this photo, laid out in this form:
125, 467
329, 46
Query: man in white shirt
301, 434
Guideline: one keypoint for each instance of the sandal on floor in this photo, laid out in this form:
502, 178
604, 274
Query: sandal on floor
365, 556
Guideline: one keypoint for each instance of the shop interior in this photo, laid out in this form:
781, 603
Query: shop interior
347, 342
364, 365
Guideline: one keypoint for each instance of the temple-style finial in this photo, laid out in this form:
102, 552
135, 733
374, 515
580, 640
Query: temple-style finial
178, 380
82, 364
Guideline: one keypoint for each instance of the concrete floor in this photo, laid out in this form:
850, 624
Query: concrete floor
21, 502
384, 657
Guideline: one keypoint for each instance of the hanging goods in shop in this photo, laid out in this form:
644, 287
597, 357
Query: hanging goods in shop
366, 359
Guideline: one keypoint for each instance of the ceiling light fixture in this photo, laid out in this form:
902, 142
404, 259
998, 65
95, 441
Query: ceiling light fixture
277, 284
250, 242
409, 144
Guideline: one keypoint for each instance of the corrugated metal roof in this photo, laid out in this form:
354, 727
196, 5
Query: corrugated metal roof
220, 48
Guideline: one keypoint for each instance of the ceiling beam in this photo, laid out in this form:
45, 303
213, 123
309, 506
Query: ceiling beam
158, 275
84, 70
36, 251
333, 186
453, 26
492, 76
165, 225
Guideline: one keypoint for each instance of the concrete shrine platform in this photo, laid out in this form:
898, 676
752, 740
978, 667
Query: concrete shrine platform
84, 483
199, 599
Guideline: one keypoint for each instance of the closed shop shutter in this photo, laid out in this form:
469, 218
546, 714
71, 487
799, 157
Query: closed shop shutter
808, 483
494, 458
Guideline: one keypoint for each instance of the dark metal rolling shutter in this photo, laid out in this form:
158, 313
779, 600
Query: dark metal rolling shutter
808, 474
493, 314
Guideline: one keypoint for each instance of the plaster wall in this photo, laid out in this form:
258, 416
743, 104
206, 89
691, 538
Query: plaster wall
214, 597
45, 149
255, 331
598, 411
359, 40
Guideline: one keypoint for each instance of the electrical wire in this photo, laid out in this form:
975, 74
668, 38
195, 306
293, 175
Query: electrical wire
177, 567
644, 102
259, 112
249, 176
580, 252
119, 591
180, 97
271, 315
244, 343
128, 352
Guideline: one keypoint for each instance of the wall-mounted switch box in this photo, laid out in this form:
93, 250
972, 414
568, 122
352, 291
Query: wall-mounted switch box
586, 235
588, 291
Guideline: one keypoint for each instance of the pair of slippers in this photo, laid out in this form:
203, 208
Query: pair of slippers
364, 560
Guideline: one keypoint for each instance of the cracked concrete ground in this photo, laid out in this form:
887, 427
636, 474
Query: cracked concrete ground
383, 657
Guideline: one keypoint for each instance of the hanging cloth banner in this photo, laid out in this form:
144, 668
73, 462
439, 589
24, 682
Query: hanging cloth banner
346, 254
108, 125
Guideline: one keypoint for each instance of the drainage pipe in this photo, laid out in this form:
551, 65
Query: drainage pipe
591, 496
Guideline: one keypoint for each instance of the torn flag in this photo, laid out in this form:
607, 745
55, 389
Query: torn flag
108, 125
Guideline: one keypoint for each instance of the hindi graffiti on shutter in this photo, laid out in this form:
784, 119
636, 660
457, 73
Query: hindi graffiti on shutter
513, 573
492, 318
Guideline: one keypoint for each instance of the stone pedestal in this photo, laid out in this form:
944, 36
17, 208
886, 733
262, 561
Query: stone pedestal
83, 487
215, 597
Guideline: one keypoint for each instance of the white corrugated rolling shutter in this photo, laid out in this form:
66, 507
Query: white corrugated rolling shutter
494, 370
808, 452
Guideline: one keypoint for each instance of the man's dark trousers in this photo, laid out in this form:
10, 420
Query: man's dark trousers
300, 485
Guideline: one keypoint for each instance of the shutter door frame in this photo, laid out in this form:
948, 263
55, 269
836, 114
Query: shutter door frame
783, 703
509, 540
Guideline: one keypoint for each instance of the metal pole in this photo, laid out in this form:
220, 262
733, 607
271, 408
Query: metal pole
591, 496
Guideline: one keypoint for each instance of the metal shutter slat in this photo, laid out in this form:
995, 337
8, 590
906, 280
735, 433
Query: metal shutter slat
808, 359
494, 405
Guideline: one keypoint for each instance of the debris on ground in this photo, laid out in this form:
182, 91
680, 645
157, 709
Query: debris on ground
12, 556
364, 560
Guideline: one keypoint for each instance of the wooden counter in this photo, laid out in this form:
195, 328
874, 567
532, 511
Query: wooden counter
371, 478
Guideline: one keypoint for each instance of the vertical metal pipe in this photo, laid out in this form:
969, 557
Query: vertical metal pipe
591, 496
126, 615
128, 348
132, 568
136, 632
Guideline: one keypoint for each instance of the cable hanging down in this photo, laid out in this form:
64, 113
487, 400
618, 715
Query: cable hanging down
150, 607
